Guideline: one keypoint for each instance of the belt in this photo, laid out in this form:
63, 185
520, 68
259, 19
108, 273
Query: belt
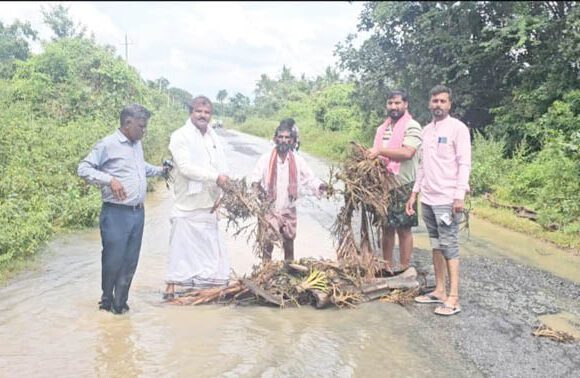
121, 206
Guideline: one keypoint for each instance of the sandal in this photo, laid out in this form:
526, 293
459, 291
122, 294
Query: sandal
447, 310
428, 298
168, 296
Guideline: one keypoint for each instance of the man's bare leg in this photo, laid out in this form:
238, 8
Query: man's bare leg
440, 267
169, 291
388, 244
405, 246
453, 268
267, 253
288, 245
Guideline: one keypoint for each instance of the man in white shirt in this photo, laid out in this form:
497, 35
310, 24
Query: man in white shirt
198, 256
281, 174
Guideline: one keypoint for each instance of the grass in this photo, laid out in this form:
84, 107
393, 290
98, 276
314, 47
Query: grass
10, 269
507, 219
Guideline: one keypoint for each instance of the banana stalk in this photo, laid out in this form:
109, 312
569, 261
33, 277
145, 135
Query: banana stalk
316, 280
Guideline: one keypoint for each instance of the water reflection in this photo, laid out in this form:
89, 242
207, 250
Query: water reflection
116, 352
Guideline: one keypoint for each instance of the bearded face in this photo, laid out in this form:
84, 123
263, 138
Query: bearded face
283, 142
396, 107
283, 147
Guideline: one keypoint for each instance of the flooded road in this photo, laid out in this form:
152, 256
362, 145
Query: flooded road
50, 325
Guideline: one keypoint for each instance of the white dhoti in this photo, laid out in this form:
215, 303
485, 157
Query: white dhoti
197, 250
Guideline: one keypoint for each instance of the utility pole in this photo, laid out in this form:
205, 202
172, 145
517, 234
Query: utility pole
127, 49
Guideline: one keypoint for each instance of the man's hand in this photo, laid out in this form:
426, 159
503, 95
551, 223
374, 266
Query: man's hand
410, 204
167, 167
458, 205
118, 190
256, 187
222, 180
372, 153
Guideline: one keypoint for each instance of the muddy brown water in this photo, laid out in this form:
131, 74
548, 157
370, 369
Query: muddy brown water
50, 325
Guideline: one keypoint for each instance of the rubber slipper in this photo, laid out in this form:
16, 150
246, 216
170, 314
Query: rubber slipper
447, 310
168, 296
428, 298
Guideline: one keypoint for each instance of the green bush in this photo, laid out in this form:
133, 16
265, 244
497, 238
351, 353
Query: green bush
50, 117
488, 167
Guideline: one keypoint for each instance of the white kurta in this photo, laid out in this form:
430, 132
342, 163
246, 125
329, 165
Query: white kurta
197, 252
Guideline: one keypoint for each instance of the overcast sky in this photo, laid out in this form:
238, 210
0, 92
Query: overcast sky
203, 47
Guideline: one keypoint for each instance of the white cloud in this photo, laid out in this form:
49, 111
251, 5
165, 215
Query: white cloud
206, 46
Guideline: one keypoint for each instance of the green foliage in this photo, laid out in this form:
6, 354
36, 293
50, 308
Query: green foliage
53, 109
60, 22
14, 45
221, 96
549, 184
508, 56
335, 109
488, 168
239, 107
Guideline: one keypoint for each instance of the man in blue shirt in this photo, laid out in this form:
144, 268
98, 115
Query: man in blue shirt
117, 166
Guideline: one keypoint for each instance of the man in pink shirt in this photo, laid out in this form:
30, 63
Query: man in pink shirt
396, 142
442, 180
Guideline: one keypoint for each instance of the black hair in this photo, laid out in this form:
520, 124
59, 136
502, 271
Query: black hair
287, 124
200, 100
134, 111
441, 89
399, 92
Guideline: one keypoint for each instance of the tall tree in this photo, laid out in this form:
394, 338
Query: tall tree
14, 45
58, 19
221, 96
240, 106
487, 52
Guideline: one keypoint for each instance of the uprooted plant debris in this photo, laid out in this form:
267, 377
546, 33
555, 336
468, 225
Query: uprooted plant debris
559, 336
356, 275
308, 281
245, 210
367, 193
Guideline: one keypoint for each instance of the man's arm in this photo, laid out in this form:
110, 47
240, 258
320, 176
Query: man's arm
307, 177
463, 159
90, 167
152, 170
411, 143
396, 154
187, 167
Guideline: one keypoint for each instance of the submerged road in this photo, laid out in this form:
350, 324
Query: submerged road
50, 325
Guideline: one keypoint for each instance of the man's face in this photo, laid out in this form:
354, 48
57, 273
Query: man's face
440, 105
396, 107
200, 116
283, 141
135, 128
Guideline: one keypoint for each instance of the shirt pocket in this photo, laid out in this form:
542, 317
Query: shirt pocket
446, 150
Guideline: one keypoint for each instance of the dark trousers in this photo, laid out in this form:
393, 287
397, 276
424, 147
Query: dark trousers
121, 235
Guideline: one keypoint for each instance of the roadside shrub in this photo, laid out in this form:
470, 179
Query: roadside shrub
488, 167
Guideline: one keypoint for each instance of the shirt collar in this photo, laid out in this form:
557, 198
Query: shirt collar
439, 122
122, 138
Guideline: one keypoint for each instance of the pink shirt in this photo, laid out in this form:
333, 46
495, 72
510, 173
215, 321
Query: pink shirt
443, 173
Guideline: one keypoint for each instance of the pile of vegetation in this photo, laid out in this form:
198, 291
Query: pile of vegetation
319, 283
